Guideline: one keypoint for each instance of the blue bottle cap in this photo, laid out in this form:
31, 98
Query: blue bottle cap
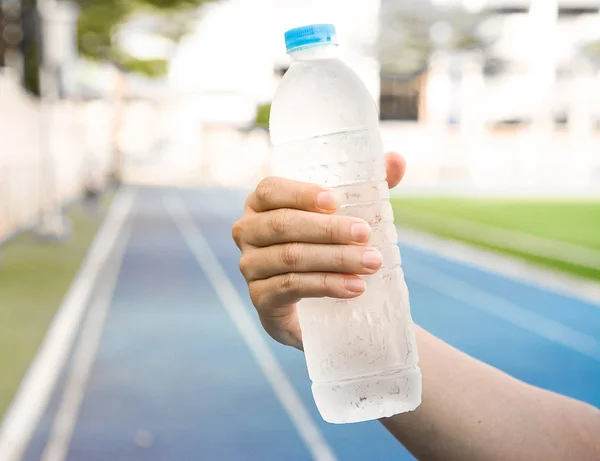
309, 36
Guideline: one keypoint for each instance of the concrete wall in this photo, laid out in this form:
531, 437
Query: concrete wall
46, 154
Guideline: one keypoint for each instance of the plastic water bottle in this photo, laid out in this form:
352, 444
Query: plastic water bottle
361, 353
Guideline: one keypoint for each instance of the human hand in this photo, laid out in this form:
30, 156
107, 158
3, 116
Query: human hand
294, 247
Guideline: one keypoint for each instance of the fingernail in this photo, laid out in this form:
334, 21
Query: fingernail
326, 200
360, 232
372, 259
355, 285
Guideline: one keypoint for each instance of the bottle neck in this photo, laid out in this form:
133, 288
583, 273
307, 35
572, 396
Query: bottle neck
314, 53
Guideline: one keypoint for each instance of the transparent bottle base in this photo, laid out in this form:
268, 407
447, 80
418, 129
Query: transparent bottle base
370, 398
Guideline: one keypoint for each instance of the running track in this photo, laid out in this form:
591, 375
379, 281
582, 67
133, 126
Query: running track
173, 378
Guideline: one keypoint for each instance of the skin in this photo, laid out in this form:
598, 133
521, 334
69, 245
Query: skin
294, 247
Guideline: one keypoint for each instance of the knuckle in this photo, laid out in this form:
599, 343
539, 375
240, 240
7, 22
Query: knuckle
330, 228
255, 294
264, 190
324, 282
278, 221
291, 255
237, 231
248, 201
290, 283
300, 195
341, 256
245, 266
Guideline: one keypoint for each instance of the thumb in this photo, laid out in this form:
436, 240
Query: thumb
395, 167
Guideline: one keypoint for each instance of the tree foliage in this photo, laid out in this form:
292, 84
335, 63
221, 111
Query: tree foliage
262, 116
99, 20
406, 40
592, 51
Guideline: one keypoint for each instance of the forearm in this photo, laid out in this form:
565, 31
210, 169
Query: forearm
472, 411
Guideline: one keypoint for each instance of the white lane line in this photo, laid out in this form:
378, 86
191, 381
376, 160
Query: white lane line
511, 239
63, 426
505, 310
35, 390
506, 266
231, 300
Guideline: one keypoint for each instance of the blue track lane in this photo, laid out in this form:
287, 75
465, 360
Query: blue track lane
172, 364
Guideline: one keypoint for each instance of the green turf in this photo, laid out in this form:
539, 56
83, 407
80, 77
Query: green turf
572, 221
34, 277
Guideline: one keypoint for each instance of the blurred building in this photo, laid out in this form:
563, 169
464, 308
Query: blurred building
526, 57
402, 97
504, 91
525, 43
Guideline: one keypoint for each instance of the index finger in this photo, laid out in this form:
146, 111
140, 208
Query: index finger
273, 193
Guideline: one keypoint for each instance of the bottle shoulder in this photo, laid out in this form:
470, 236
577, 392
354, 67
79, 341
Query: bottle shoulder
332, 74
319, 97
